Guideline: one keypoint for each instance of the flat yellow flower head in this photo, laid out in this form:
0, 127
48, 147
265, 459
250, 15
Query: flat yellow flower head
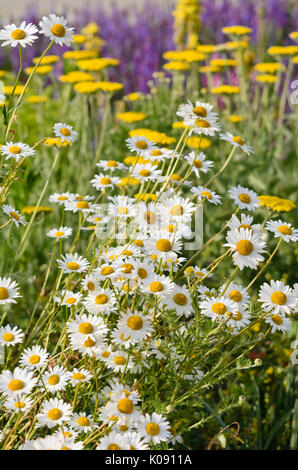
236, 30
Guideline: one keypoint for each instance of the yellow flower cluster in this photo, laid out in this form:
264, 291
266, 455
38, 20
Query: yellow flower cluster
76, 76
93, 87
95, 65
236, 30
131, 116
225, 90
155, 136
276, 203
187, 23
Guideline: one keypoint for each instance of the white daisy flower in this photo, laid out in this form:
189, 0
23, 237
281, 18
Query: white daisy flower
9, 291
122, 207
144, 269
54, 442
244, 198
114, 441
86, 326
54, 412
135, 441
65, 132
17, 218
56, 379
190, 113
17, 151
91, 282
157, 285
102, 181
61, 198
100, 301
9, 336
106, 271
246, 248
244, 222
16, 404
81, 205
68, 298
17, 383
111, 165
239, 318
154, 428
277, 298
200, 273
237, 141
149, 216
199, 163
206, 292
206, 194
23, 35
61, 232
135, 325
218, 308
81, 422
145, 172
73, 263
87, 346
55, 27
178, 209
34, 358
237, 293
141, 145
118, 361
163, 248
126, 253
283, 230
78, 376
159, 154
279, 323
179, 300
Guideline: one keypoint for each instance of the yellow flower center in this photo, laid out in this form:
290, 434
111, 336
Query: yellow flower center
14, 215
150, 217
144, 172
105, 180
139, 243
200, 111
106, 354
142, 145
235, 295
85, 328
89, 343
206, 194
237, 316
175, 177
238, 140
107, 270
62, 198
66, 132
101, 299
122, 210
156, 286
72, 265
123, 427
180, 299
164, 245
279, 298
35, 359
285, 230
202, 123
245, 226
15, 150
53, 379
58, 30
142, 273
219, 308
119, 360
153, 429
277, 319
18, 34
244, 198
127, 253
113, 447
156, 153
15, 385
83, 421
244, 247
112, 164
125, 405
59, 234
78, 376
135, 322
54, 414
91, 285
8, 337
198, 163
70, 300
170, 228
127, 268
123, 337
19, 405
176, 210
4, 294
82, 205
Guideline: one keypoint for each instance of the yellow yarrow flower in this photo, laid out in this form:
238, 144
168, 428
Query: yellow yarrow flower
155, 136
195, 142
236, 30
128, 181
231, 45
209, 69
79, 38
269, 67
8, 89
3, 73
131, 116
276, 203
76, 76
235, 118
47, 59
31, 209
80, 55
135, 96
266, 78
95, 65
52, 141
36, 99
294, 35
206, 48
225, 90
93, 87
91, 28
188, 56
145, 197
40, 70
177, 66
223, 62
283, 50
178, 125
